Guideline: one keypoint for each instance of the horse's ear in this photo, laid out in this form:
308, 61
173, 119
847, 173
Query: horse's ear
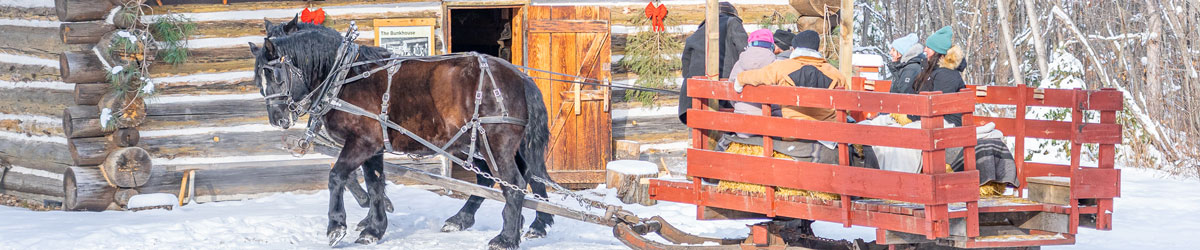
253, 48
291, 25
268, 48
266, 23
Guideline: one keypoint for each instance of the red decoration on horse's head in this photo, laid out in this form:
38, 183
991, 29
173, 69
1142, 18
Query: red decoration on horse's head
314, 17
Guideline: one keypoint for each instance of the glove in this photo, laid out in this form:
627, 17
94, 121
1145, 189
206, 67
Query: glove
737, 86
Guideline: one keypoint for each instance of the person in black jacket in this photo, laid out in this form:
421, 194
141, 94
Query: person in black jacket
943, 72
907, 59
732, 42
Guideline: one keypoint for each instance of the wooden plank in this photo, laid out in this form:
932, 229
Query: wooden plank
578, 176
82, 10
833, 131
568, 26
920, 105
917, 188
789, 209
1104, 100
1058, 130
1097, 183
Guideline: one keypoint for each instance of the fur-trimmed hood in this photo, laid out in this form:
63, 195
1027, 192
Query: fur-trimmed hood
953, 58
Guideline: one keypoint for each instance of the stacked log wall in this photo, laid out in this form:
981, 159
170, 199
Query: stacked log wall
33, 146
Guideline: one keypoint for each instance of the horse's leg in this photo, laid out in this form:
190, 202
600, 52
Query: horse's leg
465, 218
504, 150
376, 220
357, 191
542, 220
351, 157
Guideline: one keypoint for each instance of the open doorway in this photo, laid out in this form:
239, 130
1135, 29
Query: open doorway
483, 30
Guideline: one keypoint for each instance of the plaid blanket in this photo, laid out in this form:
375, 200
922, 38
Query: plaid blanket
993, 160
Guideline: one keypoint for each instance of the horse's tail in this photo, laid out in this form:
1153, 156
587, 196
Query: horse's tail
537, 132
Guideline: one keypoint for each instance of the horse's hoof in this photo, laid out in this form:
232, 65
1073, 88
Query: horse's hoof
535, 234
387, 205
499, 243
451, 227
366, 239
458, 223
336, 236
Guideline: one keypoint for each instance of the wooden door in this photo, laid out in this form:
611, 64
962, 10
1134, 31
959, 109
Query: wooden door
573, 40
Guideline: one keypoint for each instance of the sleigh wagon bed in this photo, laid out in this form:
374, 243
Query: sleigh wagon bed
932, 206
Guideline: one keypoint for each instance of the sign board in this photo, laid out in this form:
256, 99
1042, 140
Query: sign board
406, 36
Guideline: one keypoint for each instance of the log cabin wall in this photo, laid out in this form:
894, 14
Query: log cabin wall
33, 147
206, 114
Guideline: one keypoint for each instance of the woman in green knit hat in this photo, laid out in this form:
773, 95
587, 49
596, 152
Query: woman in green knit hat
943, 72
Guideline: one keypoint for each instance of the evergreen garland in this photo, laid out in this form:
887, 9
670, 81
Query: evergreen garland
173, 31
653, 56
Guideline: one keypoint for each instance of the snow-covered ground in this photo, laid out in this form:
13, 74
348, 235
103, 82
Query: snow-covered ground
1155, 212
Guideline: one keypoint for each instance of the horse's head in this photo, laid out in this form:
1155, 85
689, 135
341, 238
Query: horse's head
280, 82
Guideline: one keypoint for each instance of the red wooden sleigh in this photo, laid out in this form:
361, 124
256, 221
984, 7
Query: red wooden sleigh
931, 206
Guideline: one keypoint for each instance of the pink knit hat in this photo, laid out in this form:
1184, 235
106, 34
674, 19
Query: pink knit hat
762, 35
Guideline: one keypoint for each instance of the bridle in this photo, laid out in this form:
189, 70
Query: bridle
287, 76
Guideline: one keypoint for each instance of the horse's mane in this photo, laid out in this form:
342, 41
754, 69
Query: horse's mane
313, 49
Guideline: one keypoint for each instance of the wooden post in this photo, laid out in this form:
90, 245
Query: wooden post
712, 36
847, 46
126, 137
933, 162
86, 189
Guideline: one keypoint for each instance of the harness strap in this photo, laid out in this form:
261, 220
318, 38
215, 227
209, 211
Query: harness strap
387, 96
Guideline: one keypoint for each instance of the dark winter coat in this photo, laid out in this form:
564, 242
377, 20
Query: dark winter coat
733, 42
905, 73
947, 78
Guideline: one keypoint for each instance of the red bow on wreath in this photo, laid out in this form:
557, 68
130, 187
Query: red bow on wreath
656, 16
314, 17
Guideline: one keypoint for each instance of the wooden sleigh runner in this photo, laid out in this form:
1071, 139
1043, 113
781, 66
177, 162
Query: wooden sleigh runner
931, 207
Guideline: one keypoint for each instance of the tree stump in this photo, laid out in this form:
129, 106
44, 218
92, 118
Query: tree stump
627, 150
84, 189
128, 167
627, 175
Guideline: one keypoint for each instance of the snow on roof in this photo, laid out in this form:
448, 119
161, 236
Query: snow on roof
867, 60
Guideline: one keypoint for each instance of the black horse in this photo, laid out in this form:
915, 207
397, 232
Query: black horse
433, 100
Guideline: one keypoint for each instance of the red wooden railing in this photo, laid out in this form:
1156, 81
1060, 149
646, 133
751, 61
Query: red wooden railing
1101, 182
934, 188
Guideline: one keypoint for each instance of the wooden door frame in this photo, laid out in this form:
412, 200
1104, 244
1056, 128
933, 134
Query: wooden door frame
446, 21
